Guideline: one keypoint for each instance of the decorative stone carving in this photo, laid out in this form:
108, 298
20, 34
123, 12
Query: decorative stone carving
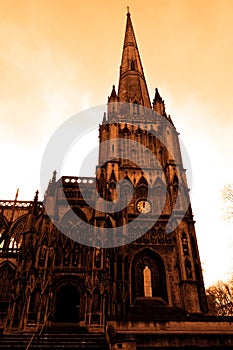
156, 236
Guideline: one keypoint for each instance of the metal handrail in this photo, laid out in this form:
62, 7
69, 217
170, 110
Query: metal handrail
39, 334
31, 340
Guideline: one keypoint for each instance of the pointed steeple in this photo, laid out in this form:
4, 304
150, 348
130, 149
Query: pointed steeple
158, 103
113, 97
132, 84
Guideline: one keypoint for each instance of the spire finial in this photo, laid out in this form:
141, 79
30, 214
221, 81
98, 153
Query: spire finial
13, 211
132, 79
36, 196
128, 13
54, 176
16, 195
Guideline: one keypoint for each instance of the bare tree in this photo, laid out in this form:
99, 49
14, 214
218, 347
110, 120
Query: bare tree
220, 299
227, 196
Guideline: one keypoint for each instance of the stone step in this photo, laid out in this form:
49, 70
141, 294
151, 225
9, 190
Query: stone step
47, 341
66, 329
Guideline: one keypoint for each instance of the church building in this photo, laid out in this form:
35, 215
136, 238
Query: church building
111, 261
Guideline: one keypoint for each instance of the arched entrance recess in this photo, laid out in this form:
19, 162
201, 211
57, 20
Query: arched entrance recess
67, 304
148, 276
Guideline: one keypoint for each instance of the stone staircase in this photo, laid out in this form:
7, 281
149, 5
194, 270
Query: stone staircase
58, 339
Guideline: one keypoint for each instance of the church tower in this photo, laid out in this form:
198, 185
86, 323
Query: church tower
159, 273
115, 254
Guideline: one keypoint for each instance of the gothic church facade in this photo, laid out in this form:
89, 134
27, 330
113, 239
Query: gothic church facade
148, 292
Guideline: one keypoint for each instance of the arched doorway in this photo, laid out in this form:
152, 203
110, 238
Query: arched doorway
67, 304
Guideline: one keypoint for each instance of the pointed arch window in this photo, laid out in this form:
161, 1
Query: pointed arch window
125, 131
139, 131
7, 274
148, 276
160, 197
136, 109
13, 245
188, 268
185, 244
127, 193
132, 65
142, 191
3, 231
147, 282
42, 255
16, 236
2, 245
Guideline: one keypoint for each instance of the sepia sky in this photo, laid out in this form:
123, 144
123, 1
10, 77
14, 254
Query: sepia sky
59, 57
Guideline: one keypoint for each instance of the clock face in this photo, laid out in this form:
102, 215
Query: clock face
143, 206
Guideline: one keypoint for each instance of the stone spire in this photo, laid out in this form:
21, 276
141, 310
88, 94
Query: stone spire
158, 103
132, 84
113, 97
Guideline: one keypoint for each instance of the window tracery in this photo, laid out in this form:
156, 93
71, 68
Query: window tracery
16, 235
72, 223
